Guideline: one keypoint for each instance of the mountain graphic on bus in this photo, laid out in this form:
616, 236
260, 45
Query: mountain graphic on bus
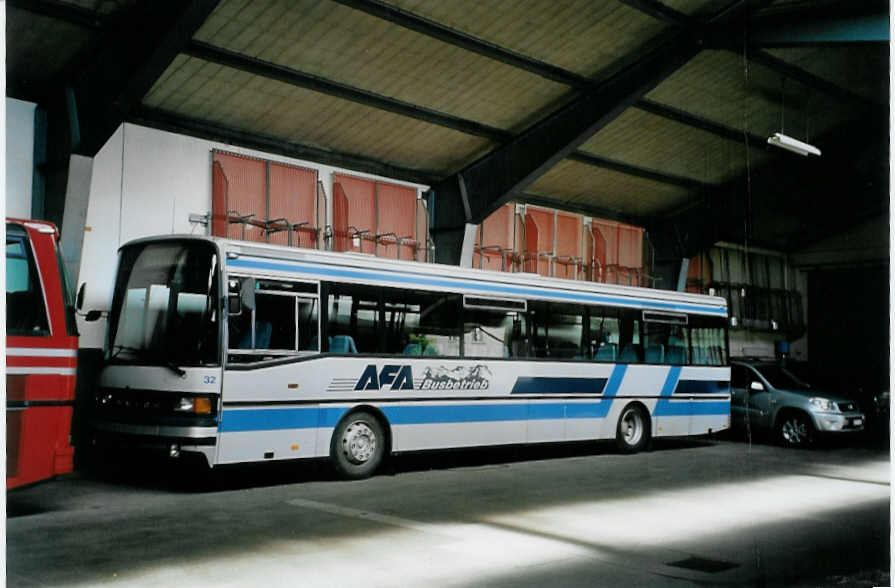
457, 378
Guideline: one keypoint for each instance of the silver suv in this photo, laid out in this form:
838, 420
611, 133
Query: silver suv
766, 395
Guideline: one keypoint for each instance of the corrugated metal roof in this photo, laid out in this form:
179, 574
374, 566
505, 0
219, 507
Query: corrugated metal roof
854, 67
724, 87
195, 88
42, 46
674, 148
390, 59
580, 184
582, 36
354, 48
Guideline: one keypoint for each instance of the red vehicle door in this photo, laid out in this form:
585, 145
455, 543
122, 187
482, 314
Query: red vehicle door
41, 355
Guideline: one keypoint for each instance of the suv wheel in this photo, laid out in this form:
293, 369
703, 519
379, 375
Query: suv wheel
795, 429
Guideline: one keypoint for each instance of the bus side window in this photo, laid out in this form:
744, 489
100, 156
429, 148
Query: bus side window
421, 323
630, 348
25, 310
494, 333
354, 319
708, 341
665, 343
604, 334
284, 320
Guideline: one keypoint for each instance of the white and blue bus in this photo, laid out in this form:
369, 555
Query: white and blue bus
246, 352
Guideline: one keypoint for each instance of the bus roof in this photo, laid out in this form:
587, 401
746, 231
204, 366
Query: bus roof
251, 258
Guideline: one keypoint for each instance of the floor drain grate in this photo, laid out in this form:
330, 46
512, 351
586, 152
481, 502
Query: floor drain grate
701, 564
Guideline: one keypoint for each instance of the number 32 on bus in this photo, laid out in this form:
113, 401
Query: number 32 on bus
246, 352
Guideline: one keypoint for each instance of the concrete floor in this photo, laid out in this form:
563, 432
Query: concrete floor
687, 513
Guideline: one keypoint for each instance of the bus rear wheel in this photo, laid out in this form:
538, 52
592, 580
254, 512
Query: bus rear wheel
358, 446
632, 433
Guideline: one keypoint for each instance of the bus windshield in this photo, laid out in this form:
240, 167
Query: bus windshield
164, 310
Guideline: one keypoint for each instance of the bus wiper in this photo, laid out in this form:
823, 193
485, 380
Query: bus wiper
117, 349
174, 367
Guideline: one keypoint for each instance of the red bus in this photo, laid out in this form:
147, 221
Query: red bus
41, 355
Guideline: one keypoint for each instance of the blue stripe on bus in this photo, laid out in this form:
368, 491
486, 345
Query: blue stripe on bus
559, 386
666, 408
233, 421
268, 419
702, 387
307, 268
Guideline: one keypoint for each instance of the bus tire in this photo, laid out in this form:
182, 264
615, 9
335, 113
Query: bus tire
632, 433
358, 445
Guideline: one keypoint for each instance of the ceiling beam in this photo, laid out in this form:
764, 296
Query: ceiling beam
323, 85
802, 193
138, 47
465, 41
80, 16
662, 12
516, 164
168, 121
698, 122
812, 81
64, 11
637, 171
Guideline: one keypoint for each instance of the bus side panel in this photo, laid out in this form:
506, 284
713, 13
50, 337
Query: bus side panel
267, 415
40, 391
439, 425
37, 444
693, 401
40, 380
290, 411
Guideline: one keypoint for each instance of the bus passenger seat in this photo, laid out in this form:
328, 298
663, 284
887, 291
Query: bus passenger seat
263, 331
413, 349
677, 355
628, 355
342, 344
430, 350
606, 352
655, 353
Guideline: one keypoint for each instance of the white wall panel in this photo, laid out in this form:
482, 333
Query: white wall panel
19, 157
147, 182
101, 237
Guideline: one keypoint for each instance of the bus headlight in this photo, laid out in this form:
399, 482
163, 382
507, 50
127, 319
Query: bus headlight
194, 404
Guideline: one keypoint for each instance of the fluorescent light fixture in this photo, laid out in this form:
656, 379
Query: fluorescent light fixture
794, 145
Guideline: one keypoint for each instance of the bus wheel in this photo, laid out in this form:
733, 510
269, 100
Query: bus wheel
632, 433
357, 446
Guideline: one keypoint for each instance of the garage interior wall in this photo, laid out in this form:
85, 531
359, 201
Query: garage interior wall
850, 349
19, 157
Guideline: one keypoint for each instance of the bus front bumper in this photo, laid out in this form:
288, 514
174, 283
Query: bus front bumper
152, 435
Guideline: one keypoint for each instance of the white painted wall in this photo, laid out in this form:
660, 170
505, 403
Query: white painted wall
147, 182
19, 157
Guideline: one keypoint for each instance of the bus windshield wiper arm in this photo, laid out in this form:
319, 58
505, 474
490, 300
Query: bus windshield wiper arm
174, 367
117, 349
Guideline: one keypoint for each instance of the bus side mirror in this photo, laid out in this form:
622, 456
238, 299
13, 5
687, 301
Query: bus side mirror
247, 294
93, 315
79, 301
234, 308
